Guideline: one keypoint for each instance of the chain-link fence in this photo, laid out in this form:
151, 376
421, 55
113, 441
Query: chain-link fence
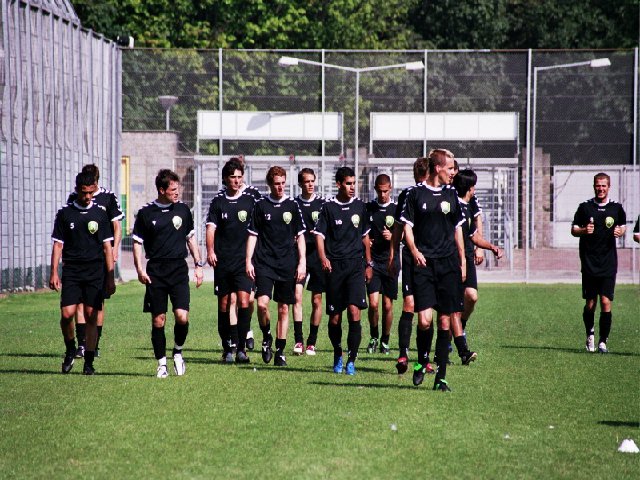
533, 124
576, 116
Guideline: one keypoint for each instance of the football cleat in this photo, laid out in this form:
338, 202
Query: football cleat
280, 361
351, 368
311, 350
162, 372
67, 363
80, 351
418, 373
241, 357
88, 369
227, 357
429, 369
384, 348
402, 365
178, 364
602, 348
441, 385
250, 343
337, 365
298, 348
590, 344
267, 352
468, 357
373, 345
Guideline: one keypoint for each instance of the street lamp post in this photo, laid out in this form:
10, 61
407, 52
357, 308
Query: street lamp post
595, 63
292, 61
167, 101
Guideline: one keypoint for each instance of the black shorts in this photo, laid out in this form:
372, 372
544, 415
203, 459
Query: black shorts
472, 275
345, 285
83, 283
282, 291
169, 279
229, 281
383, 283
408, 265
594, 286
439, 285
316, 278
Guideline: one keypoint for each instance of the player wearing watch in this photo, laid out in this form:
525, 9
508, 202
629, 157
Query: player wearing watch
165, 228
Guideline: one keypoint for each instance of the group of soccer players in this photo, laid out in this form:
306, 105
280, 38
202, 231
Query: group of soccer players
265, 247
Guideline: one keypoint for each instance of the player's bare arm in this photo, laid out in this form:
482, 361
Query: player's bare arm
396, 236
460, 245
192, 243
252, 240
210, 241
411, 244
301, 271
324, 261
117, 237
368, 271
109, 259
54, 278
481, 242
137, 261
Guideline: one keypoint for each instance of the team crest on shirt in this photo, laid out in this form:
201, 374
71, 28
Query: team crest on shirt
609, 221
446, 207
93, 227
315, 216
242, 216
286, 216
355, 219
388, 221
177, 222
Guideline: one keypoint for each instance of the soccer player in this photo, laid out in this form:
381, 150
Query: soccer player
405, 324
432, 226
464, 183
165, 228
108, 200
381, 220
233, 307
310, 205
275, 230
82, 239
342, 239
226, 240
598, 222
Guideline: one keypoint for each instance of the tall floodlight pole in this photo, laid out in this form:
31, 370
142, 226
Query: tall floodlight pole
167, 101
292, 61
595, 63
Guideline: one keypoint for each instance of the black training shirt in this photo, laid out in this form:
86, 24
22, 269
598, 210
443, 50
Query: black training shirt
277, 224
342, 225
230, 217
108, 200
598, 251
164, 230
381, 218
82, 232
310, 213
434, 213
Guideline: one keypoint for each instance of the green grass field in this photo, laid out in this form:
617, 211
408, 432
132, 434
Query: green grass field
534, 404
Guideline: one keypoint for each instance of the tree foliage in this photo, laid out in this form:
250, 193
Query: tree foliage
372, 24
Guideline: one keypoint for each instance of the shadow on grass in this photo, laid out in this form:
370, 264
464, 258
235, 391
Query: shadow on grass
289, 368
79, 372
366, 385
580, 351
32, 355
619, 423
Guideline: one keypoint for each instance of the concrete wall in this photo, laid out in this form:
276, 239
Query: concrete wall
148, 152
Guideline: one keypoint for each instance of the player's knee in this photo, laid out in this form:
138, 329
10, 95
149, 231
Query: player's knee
605, 304
159, 320
472, 295
407, 304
